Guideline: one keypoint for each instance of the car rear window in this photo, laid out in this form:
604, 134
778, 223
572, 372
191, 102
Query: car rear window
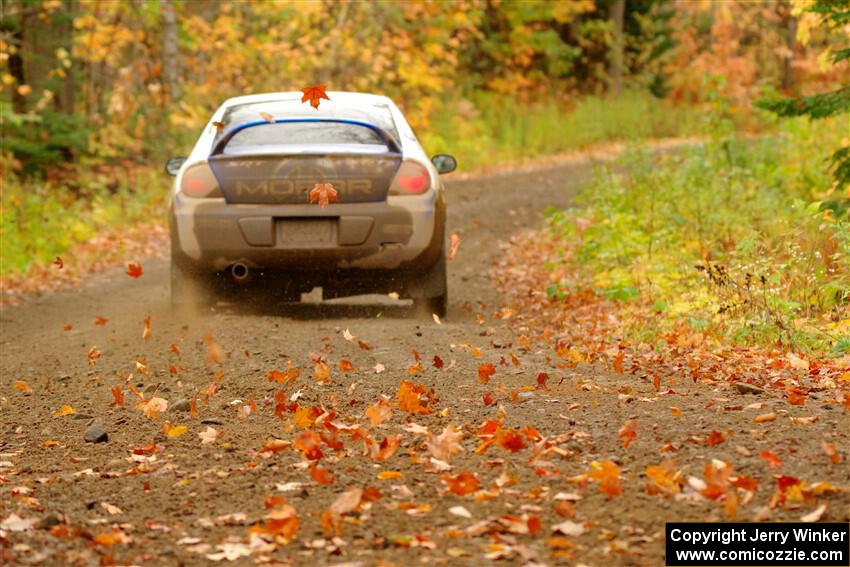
291, 133
371, 113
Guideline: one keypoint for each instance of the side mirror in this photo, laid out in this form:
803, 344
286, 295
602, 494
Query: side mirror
444, 163
173, 165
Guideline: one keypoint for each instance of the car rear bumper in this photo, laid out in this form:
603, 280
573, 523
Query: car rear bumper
399, 233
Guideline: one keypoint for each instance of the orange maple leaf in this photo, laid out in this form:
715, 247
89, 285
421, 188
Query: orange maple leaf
323, 193
628, 432
409, 398
118, 394
134, 270
320, 475
345, 365
608, 475
308, 443
379, 412
100, 321
314, 94
446, 444
485, 371
322, 373
462, 484
715, 438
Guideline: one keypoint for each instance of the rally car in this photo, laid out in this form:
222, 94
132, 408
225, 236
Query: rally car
280, 193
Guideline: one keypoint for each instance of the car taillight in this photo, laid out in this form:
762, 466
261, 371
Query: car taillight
411, 179
200, 183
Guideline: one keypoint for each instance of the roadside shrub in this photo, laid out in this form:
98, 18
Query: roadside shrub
746, 238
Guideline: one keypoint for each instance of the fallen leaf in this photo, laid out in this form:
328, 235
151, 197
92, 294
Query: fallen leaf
379, 412
346, 502
146, 333
100, 321
134, 270
345, 365
831, 452
314, 93
59, 263
15, 523
64, 410
267, 117
715, 438
219, 127
93, 355
322, 372
628, 432
485, 371
460, 511
118, 397
568, 528
152, 407
814, 515
208, 435
608, 475
446, 444
462, 484
765, 417
772, 460
436, 318
173, 430
321, 475
379, 368
410, 398
23, 387
389, 475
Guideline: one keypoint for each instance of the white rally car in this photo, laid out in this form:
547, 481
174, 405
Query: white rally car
341, 197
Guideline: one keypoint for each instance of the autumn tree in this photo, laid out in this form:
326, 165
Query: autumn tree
833, 13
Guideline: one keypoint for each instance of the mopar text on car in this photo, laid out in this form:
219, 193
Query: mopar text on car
340, 197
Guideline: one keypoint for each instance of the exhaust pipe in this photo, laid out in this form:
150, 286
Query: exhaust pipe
240, 273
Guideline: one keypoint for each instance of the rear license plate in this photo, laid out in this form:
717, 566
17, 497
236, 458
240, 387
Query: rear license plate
306, 232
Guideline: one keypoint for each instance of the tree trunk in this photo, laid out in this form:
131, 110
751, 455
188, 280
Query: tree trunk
64, 102
170, 62
616, 11
790, 45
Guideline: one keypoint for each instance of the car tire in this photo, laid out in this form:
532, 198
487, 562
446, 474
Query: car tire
432, 289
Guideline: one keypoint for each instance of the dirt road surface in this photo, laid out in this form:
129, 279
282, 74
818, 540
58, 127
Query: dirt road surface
64, 501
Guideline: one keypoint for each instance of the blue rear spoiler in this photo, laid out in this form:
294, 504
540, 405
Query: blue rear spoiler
220, 144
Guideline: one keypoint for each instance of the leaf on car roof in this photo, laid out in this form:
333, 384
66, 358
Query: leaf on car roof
314, 94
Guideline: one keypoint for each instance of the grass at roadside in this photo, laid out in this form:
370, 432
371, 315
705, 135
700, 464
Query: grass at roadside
488, 131
743, 240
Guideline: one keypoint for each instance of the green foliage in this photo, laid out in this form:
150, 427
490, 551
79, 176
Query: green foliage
731, 236
43, 140
40, 221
